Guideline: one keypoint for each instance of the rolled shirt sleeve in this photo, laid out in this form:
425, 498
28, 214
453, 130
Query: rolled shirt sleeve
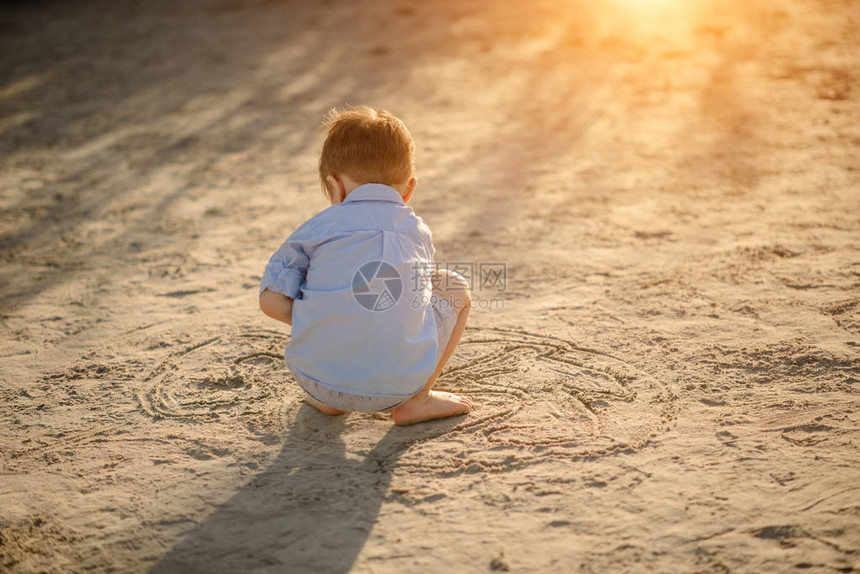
286, 269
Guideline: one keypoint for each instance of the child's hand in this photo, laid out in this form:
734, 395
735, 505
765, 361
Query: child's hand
277, 306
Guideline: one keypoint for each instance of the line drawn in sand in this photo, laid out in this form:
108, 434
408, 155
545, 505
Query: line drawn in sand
240, 373
537, 398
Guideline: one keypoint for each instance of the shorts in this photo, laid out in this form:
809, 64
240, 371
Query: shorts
446, 318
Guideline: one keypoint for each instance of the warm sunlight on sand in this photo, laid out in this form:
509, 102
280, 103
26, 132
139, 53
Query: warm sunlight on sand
647, 5
646, 24
656, 202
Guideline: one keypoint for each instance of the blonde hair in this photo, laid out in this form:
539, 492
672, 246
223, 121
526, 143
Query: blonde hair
367, 145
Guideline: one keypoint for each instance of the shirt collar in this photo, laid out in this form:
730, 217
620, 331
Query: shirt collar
374, 192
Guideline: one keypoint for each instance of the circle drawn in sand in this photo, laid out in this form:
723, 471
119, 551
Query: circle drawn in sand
237, 373
539, 398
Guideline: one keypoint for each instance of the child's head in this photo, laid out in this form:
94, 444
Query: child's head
365, 145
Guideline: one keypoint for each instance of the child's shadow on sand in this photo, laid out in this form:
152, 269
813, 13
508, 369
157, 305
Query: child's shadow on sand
312, 510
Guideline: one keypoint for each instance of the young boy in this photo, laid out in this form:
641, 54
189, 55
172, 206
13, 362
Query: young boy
372, 322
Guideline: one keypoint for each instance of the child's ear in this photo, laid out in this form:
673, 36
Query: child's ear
338, 189
410, 189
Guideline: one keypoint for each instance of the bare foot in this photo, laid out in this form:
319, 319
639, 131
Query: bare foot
323, 407
429, 406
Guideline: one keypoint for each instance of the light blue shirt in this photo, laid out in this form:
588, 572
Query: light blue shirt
352, 331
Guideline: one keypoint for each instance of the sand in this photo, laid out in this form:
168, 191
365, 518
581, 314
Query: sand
667, 380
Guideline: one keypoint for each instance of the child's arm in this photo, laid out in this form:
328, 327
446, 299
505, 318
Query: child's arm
277, 306
283, 277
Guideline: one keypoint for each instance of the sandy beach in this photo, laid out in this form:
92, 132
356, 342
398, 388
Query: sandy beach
659, 204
